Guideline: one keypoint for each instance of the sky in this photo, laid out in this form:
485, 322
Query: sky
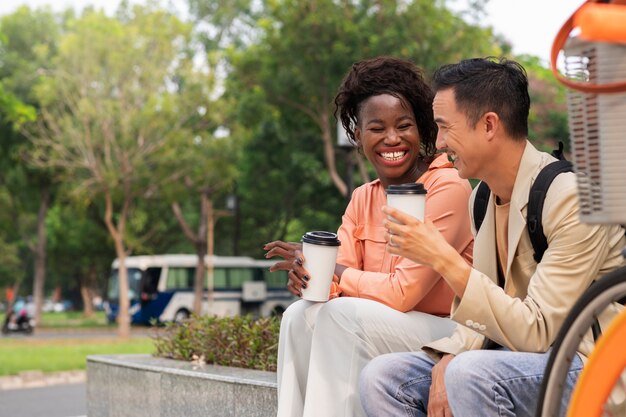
530, 25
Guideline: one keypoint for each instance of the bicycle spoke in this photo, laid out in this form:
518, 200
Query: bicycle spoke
587, 310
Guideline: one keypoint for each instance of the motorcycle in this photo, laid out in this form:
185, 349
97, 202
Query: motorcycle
21, 323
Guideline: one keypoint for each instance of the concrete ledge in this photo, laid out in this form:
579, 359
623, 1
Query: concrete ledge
142, 385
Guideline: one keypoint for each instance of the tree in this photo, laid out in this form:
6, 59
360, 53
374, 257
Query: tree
107, 110
198, 165
547, 122
285, 60
13, 111
28, 41
306, 47
79, 248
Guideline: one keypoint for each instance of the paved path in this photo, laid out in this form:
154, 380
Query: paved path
36, 379
65, 400
55, 394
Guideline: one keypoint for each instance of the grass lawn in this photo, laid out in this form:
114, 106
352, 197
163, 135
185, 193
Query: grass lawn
18, 355
74, 319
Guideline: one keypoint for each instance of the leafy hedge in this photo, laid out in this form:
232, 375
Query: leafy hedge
242, 341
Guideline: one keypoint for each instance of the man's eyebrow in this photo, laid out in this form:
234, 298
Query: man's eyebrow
439, 120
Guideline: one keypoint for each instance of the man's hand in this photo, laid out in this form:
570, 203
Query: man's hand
438, 399
424, 244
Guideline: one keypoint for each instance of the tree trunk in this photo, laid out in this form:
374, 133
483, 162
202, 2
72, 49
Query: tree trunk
329, 155
237, 226
40, 253
201, 251
123, 316
86, 292
199, 242
198, 282
210, 252
117, 233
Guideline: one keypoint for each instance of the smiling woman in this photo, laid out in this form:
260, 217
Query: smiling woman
380, 303
390, 139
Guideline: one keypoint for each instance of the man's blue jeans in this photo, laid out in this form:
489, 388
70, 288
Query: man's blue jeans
481, 383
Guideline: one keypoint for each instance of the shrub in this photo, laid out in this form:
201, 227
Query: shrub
241, 341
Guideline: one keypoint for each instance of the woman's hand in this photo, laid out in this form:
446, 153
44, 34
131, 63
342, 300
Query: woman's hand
291, 252
286, 250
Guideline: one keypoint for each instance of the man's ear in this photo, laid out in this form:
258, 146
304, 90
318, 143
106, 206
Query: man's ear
491, 124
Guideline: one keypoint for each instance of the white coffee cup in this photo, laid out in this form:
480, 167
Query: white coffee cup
409, 198
320, 256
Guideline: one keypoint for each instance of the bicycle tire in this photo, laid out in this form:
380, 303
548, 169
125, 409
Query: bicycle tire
603, 292
601, 372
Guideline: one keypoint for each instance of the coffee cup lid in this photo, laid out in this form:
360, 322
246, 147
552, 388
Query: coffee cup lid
410, 188
321, 238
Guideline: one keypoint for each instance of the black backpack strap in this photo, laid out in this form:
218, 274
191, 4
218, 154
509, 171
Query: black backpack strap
558, 153
480, 204
535, 204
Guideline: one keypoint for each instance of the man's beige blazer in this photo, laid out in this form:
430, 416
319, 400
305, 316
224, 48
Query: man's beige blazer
527, 313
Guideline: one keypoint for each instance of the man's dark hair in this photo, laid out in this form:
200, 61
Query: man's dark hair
393, 76
482, 85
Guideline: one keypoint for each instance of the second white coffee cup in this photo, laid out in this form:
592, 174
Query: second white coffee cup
409, 198
320, 256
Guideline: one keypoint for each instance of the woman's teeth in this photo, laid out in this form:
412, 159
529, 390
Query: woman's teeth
392, 156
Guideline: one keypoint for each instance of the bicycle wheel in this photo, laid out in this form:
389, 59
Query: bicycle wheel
583, 315
602, 374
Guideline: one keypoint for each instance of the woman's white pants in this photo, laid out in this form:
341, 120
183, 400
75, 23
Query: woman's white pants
324, 346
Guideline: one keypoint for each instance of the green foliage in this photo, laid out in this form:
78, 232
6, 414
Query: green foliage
547, 121
287, 169
239, 100
242, 342
9, 263
27, 44
28, 40
285, 67
125, 115
79, 248
13, 110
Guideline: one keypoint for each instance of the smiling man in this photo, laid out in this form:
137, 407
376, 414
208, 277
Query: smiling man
509, 306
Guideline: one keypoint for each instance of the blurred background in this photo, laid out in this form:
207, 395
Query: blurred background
204, 126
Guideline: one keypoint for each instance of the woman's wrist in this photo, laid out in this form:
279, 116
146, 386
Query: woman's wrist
339, 270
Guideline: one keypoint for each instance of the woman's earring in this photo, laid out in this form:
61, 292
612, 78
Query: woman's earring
359, 148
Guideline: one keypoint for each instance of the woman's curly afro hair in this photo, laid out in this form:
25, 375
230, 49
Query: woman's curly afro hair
387, 75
